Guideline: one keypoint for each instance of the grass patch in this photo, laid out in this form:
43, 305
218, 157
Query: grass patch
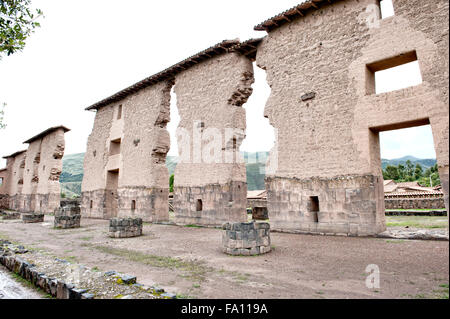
196, 270
417, 221
193, 226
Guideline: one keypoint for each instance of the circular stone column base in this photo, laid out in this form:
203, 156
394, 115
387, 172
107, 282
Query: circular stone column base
29, 218
125, 227
246, 239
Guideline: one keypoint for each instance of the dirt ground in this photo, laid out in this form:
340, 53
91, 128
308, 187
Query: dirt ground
188, 261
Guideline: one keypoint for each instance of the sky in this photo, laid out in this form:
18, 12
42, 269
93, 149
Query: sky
88, 50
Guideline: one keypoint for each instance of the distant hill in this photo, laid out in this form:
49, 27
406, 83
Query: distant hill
72, 174
425, 163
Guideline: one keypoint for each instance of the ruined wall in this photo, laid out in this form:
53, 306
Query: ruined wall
327, 176
15, 167
4, 197
125, 172
43, 166
209, 189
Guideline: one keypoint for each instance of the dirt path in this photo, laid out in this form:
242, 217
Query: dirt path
188, 261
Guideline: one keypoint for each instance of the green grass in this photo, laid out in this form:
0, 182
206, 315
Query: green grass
196, 271
417, 221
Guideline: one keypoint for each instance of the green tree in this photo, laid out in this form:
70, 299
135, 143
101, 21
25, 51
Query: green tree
17, 22
418, 172
409, 169
171, 179
401, 172
391, 172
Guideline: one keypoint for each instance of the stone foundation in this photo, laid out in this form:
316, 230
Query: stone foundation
29, 218
149, 204
125, 227
93, 204
67, 217
345, 205
210, 205
246, 238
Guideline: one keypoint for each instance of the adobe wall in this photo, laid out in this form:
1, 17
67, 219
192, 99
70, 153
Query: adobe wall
43, 166
328, 118
210, 96
32, 176
142, 188
15, 167
4, 197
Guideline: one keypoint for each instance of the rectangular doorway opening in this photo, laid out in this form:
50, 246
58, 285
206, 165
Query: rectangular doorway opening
112, 198
406, 158
314, 207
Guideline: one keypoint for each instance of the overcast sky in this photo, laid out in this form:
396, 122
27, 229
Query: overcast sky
87, 50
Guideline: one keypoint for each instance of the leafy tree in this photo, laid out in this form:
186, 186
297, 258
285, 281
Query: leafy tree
17, 22
401, 171
391, 172
409, 168
171, 179
418, 172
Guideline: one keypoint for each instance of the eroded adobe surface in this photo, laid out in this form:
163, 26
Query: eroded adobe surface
323, 104
31, 181
125, 172
210, 96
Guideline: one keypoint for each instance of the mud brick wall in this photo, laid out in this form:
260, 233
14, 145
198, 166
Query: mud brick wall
125, 227
328, 117
210, 96
415, 203
67, 217
246, 238
129, 143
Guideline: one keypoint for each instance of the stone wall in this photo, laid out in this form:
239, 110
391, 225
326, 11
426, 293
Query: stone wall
326, 114
246, 239
125, 227
415, 203
67, 217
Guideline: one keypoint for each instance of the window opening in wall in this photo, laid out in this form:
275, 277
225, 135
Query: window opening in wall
119, 112
199, 205
394, 73
386, 8
114, 147
133, 205
91, 204
314, 207
1, 181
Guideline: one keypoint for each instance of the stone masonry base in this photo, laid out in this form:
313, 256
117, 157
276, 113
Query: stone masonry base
210, 205
125, 227
246, 238
344, 205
